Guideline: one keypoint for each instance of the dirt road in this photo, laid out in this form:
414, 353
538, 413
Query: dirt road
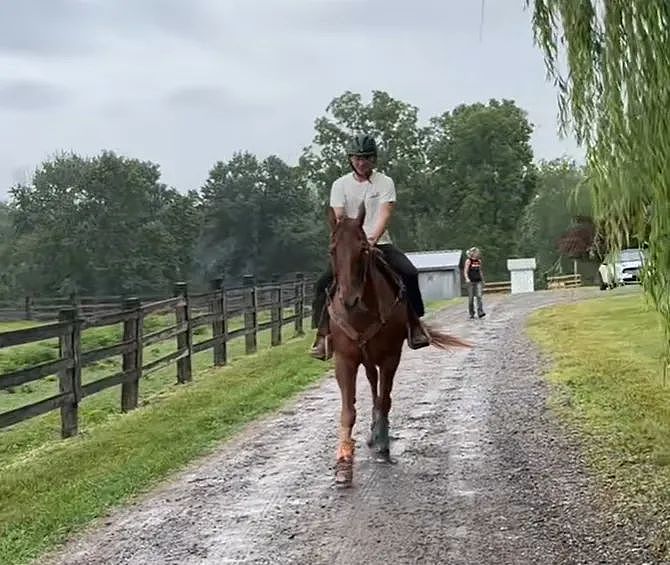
484, 474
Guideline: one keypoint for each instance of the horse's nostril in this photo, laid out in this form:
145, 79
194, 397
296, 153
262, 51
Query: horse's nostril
350, 304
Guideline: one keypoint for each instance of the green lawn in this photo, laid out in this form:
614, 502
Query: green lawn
437, 305
608, 379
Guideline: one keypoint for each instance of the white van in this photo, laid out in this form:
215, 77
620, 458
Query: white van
624, 268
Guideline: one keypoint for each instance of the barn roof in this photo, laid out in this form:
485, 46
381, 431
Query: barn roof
443, 260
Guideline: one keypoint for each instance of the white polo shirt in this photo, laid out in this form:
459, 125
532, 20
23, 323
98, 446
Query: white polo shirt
347, 192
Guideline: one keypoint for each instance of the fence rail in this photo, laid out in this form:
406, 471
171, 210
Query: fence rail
564, 281
497, 287
215, 309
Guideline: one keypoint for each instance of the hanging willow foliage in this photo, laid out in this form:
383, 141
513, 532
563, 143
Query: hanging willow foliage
614, 93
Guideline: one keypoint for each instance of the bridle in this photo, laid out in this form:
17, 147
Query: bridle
361, 339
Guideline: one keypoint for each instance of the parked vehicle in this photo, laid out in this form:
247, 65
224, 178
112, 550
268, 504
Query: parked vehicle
622, 269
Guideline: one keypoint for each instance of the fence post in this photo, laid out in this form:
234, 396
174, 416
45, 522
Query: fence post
132, 360
299, 303
276, 314
69, 380
250, 318
217, 306
184, 338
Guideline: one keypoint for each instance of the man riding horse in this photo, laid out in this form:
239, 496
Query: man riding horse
376, 191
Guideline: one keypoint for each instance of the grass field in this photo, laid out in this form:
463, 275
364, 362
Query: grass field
50, 488
609, 385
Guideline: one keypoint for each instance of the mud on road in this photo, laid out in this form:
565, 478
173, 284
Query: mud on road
484, 474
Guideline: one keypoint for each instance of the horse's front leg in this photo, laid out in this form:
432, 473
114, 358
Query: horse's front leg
372, 373
345, 373
382, 441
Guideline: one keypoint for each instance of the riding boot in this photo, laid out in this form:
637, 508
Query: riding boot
321, 348
417, 335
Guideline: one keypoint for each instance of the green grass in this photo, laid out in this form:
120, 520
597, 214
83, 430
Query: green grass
51, 488
97, 409
608, 379
436, 305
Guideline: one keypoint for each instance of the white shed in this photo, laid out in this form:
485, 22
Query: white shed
439, 273
522, 276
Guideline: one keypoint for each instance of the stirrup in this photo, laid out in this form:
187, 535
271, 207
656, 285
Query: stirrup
325, 353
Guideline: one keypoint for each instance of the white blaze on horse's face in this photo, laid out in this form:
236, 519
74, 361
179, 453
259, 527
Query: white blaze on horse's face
348, 248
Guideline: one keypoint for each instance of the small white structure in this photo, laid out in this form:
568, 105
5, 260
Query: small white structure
522, 274
439, 273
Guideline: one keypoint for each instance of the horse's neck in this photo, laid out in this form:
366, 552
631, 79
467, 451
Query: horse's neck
378, 290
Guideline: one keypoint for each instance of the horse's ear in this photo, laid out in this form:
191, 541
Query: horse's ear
332, 220
361, 214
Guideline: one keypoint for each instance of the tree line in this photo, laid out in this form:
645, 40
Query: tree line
107, 224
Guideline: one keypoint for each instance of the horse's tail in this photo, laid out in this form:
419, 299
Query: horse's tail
443, 340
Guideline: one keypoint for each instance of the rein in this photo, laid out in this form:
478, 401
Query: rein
362, 338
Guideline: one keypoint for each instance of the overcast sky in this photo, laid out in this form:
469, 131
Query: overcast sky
187, 82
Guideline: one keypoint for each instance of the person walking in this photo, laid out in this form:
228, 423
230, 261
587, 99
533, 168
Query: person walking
474, 278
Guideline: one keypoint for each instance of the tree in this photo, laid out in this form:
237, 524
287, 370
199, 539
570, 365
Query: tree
614, 97
559, 198
108, 220
483, 177
6, 242
258, 219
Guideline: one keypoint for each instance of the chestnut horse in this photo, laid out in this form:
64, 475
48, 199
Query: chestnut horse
368, 324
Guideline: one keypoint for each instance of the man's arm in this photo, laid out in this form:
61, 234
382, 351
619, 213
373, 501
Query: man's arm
466, 268
384, 217
387, 199
337, 200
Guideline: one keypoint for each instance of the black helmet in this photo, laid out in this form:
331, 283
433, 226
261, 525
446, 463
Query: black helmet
362, 145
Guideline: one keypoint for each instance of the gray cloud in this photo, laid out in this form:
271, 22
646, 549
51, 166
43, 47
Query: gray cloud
30, 95
46, 27
203, 98
188, 83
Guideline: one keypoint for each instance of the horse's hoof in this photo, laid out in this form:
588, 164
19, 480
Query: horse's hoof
343, 481
383, 456
344, 473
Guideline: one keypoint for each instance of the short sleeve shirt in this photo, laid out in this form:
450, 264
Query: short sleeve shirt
348, 192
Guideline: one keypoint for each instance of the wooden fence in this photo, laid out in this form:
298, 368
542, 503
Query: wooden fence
490, 287
191, 311
497, 287
564, 281
47, 308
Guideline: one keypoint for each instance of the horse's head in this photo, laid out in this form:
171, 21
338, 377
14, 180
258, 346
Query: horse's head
349, 250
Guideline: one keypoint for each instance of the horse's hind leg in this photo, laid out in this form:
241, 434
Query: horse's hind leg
372, 373
345, 373
388, 368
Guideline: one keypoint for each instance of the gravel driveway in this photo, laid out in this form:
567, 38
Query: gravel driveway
484, 474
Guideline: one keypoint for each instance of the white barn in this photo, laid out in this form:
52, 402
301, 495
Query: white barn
439, 273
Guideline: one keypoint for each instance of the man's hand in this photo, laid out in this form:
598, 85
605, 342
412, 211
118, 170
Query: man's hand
372, 240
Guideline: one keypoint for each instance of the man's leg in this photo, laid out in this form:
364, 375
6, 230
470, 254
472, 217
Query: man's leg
398, 261
480, 303
320, 314
471, 298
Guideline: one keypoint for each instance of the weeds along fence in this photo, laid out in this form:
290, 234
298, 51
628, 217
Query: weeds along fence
233, 313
